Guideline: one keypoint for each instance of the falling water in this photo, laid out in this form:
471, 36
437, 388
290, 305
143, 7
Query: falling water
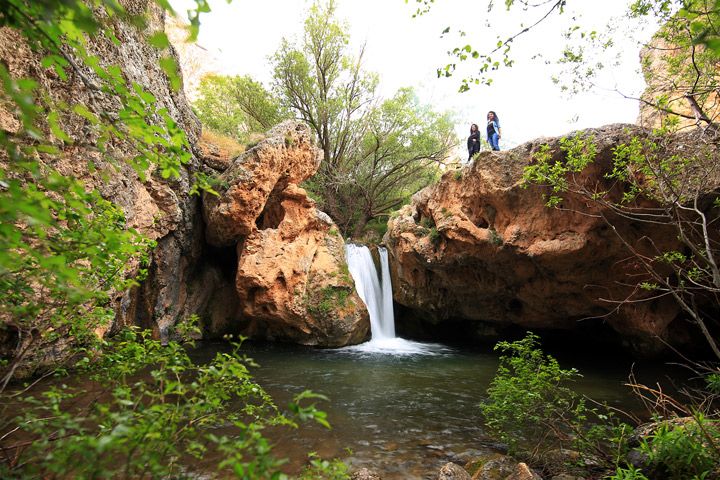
362, 269
378, 300
387, 323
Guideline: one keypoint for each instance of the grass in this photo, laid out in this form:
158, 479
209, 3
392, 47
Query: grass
229, 147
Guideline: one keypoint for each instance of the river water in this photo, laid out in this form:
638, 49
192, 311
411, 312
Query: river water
404, 411
396, 406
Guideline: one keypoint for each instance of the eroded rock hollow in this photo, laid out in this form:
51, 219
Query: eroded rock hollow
479, 253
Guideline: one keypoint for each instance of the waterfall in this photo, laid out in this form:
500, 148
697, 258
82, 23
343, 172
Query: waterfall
377, 298
387, 324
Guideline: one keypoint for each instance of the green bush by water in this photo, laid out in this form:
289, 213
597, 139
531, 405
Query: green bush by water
531, 407
145, 410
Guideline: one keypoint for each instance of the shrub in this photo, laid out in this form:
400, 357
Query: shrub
334, 469
143, 411
684, 450
528, 397
434, 236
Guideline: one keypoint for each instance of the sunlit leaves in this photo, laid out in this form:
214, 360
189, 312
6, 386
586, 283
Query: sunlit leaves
237, 106
548, 169
64, 250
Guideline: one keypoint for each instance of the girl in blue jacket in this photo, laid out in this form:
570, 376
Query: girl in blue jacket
493, 130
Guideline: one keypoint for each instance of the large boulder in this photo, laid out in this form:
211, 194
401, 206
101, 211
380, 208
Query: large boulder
287, 156
292, 281
479, 252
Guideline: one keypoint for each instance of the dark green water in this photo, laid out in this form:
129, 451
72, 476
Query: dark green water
404, 415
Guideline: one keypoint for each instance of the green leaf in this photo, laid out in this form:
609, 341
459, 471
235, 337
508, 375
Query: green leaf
159, 40
57, 131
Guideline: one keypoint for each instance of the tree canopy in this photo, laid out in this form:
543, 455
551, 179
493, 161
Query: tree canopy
237, 106
376, 152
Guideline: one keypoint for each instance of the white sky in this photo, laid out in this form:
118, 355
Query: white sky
406, 51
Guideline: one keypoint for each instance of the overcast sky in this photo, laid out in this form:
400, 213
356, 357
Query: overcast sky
406, 51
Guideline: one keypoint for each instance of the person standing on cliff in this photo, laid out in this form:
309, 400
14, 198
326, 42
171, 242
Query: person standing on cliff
473, 141
493, 130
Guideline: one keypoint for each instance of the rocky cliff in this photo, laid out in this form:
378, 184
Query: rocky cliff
161, 210
188, 275
292, 279
479, 253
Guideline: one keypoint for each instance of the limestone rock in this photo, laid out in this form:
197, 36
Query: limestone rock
497, 467
292, 282
523, 472
292, 277
287, 156
451, 471
499, 257
365, 474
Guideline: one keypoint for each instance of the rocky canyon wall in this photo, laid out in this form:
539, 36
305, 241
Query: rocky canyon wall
187, 274
479, 254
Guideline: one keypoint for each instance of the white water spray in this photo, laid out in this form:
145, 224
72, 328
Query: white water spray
378, 300
362, 269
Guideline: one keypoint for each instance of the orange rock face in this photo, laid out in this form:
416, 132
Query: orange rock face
287, 156
480, 252
292, 280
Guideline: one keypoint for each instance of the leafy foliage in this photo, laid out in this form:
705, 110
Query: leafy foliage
578, 152
151, 411
324, 469
528, 397
65, 250
531, 407
682, 451
237, 106
376, 153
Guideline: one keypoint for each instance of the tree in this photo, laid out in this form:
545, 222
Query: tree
376, 154
682, 73
680, 60
237, 106
398, 155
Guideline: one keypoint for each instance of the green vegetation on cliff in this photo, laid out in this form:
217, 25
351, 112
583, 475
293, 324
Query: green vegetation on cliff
143, 409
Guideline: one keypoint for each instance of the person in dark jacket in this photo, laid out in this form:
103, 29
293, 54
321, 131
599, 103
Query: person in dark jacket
493, 130
473, 141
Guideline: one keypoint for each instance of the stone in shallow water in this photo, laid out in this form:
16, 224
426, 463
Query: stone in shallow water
365, 474
452, 471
